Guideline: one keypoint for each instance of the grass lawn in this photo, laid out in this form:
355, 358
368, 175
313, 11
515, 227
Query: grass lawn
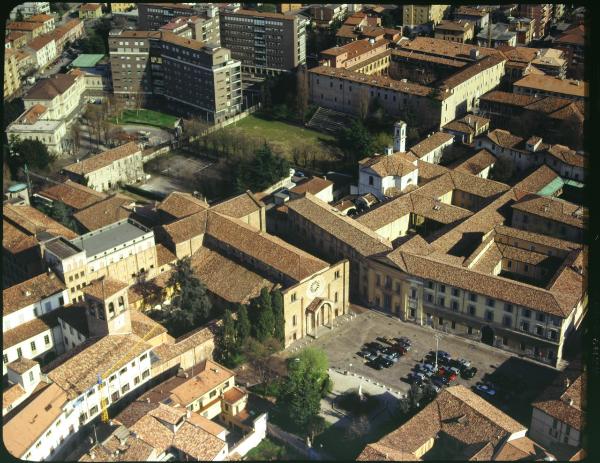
269, 450
283, 134
147, 117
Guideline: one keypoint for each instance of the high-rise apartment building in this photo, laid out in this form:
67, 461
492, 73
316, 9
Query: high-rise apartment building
541, 12
204, 18
420, 16
187, 75
265, 43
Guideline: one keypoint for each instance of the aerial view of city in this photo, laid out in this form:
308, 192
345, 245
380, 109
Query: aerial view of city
289, 231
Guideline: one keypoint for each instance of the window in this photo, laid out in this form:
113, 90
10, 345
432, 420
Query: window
540, 317
442, 288
553, 334
430, 284
125, 389
525, 326
527, 313
143, 357
90, 392
469, 330
441, 301
455, 306
336, 275
508, 308
293, 297
31, 376
136, 380
112, 378
212, 394
472, 310
46, 339
123, 371
145, 374
32, 345
490, 302
539, 330
377, 280
430, 298
370, 180
509, 263
489, 315
19, 352
294, 320
441, 321
94, 410
506, 320
335, 297
455, 292
5, 358
473, 297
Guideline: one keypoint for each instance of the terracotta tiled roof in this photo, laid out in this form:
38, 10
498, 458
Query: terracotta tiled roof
22, 26
106, 158
460, 414
28, 330
537, 180
564, 402
31, 291
24, 429
40, 42
554, 84
179, 205
168, 414
36, 18
471, 71
186, 228
50, 88
446, 48
553, 209
14, 240
313, 185
103, 288
239, 206
90, 6
375, 81
21, 365
535, 238
478, 162
378, 452
166, 352
566, 155
431, 143
460, 26
197, 443
397, 164
77, 371
73, 194
226, 278
268, 249
362, 239
104, 212
504, 138
164, 256
32, 115
142, 325
31, 221
11, 394
354, 49
234, 395
467, 124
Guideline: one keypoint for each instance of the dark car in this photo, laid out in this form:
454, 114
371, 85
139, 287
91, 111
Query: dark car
468, 373
375, 363
374, 346
400, 349
370, 356
439, 381
385, 362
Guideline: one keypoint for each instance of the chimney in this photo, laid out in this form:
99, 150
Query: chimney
389, 151
474, 54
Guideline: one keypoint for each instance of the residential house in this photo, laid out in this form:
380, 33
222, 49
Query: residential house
455, 31
466, 129
12, 79
30, 29
90, 11
500, 34
317, 186
43, 49
46, 20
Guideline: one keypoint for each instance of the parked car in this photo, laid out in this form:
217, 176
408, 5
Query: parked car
416, 378
370, 356
391, 356
404, 340
486, 388
362, 353
405, 345
385, 362
374, 345
439, 382
400, 349
462, 363
468, 373
375, 363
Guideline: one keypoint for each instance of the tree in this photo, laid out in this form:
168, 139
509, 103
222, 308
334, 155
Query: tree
189, 297
75, 134
278, 316
242, 324
260, 171
356, 141
228, 339
363, 102
258, 354
61, 213
265, 322
31, 152
301, 395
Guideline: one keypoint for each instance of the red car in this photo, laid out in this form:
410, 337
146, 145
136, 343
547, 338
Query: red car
451, 376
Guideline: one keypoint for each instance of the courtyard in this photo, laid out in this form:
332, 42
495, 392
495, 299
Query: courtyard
518, 381
146, 117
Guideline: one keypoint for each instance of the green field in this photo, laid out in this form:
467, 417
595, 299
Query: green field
147, 117
284, 134
268, 450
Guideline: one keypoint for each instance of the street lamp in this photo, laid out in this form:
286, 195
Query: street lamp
437, 345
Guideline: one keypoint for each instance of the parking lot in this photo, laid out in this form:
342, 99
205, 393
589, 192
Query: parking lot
517, 381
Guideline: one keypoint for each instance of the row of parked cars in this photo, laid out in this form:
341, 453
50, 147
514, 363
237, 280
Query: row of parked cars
381, 356
440, 369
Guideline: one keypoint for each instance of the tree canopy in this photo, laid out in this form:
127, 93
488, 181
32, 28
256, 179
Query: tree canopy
31, 152
260, 171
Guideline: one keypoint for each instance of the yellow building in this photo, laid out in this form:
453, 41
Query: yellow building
285, 7
416, 16
90, 11
487, 277
455, 31
12, 79
121, 7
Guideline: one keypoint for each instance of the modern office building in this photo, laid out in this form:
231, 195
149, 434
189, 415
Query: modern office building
186, 75
265, 43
